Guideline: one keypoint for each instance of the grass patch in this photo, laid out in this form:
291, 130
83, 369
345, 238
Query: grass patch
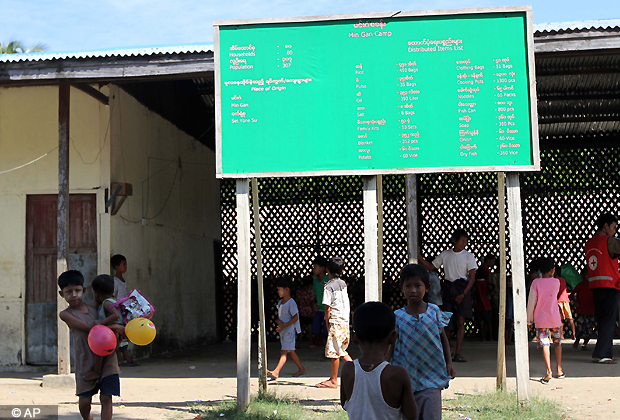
502, 406
267, 406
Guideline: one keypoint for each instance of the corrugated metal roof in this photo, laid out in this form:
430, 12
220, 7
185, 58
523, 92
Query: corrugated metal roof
607, 25
125, 52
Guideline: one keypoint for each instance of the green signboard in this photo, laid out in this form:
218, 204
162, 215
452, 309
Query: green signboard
403, 93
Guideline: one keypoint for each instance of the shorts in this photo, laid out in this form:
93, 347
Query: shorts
565, 310
304, 321
547, 335
429, 403
318, 323
452, 289
110, 385
483, 315
337, 341
287, 341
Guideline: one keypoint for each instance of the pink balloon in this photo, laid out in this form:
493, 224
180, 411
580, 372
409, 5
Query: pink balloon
102, 340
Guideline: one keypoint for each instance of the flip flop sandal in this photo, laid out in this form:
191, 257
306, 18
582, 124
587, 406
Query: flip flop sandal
459, 358
562, 376
606, 361
545, 381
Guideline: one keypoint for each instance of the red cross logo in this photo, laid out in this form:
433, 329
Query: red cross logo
593, 263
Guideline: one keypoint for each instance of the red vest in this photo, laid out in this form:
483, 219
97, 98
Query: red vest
602, 269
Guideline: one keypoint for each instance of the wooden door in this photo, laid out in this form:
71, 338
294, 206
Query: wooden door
41, 252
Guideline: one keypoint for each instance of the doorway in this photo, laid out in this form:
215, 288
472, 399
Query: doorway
41, 254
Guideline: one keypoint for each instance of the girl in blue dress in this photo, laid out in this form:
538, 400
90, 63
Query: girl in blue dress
422, 346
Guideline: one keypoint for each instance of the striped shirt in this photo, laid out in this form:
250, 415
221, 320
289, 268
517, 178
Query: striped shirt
418, 347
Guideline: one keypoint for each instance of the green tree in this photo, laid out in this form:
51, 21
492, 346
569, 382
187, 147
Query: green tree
16, 47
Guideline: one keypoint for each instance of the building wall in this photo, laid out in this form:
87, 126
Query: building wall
28, 130
167, 228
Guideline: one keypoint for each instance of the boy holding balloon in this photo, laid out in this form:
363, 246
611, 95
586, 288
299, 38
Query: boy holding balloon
103, 289
81, 319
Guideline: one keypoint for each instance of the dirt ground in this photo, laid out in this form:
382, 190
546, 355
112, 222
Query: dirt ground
165, 387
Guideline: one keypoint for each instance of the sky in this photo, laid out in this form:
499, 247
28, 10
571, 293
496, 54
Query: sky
83, 25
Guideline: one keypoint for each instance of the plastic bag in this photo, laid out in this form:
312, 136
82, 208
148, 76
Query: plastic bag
135, 305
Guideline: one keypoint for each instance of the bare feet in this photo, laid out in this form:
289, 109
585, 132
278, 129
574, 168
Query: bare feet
299, 373
327, 384
91, 376
273, 375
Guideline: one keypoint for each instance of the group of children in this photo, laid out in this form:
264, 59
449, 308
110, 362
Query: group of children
405, 359
96, 374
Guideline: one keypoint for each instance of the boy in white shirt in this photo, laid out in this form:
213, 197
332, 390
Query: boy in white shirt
459, 268
119, 264
337, 314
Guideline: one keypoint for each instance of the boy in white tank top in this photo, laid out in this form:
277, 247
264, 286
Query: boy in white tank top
371, 388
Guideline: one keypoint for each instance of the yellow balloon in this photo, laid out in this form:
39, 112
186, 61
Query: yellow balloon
140, 331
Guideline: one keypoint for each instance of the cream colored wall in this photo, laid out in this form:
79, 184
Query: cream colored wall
170, 253
28, 130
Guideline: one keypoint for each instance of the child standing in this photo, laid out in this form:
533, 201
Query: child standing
544, 313
422, 346
585, 311
119, 264
319, 269
288, 326
337, 314
564, 303
371, 387
80, 318
306, 302
103, 288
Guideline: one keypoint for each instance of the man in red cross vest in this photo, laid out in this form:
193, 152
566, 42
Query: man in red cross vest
602, 252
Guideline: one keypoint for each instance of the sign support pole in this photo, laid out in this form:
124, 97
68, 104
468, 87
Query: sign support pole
370, 239
411, 203
243, 292
262, 331
380, 207
518, 287
501, 336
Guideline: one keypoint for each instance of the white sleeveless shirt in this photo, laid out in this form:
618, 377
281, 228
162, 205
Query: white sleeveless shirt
367, 401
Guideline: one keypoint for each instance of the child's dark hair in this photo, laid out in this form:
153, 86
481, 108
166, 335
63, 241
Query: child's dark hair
373, 321
606, 219
284, 283
490, 257
116, 260
545, 265
335, 266
320, 261
103, 284
458, 234
307, 281
70, 278
415, 270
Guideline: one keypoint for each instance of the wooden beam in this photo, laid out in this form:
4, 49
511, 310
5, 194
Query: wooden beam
370, 239
586, 119
578, 97
62, 237
262, 328
244, 301
501, 336
518, 287
541, 46
91, 91
109, 69
411, 203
